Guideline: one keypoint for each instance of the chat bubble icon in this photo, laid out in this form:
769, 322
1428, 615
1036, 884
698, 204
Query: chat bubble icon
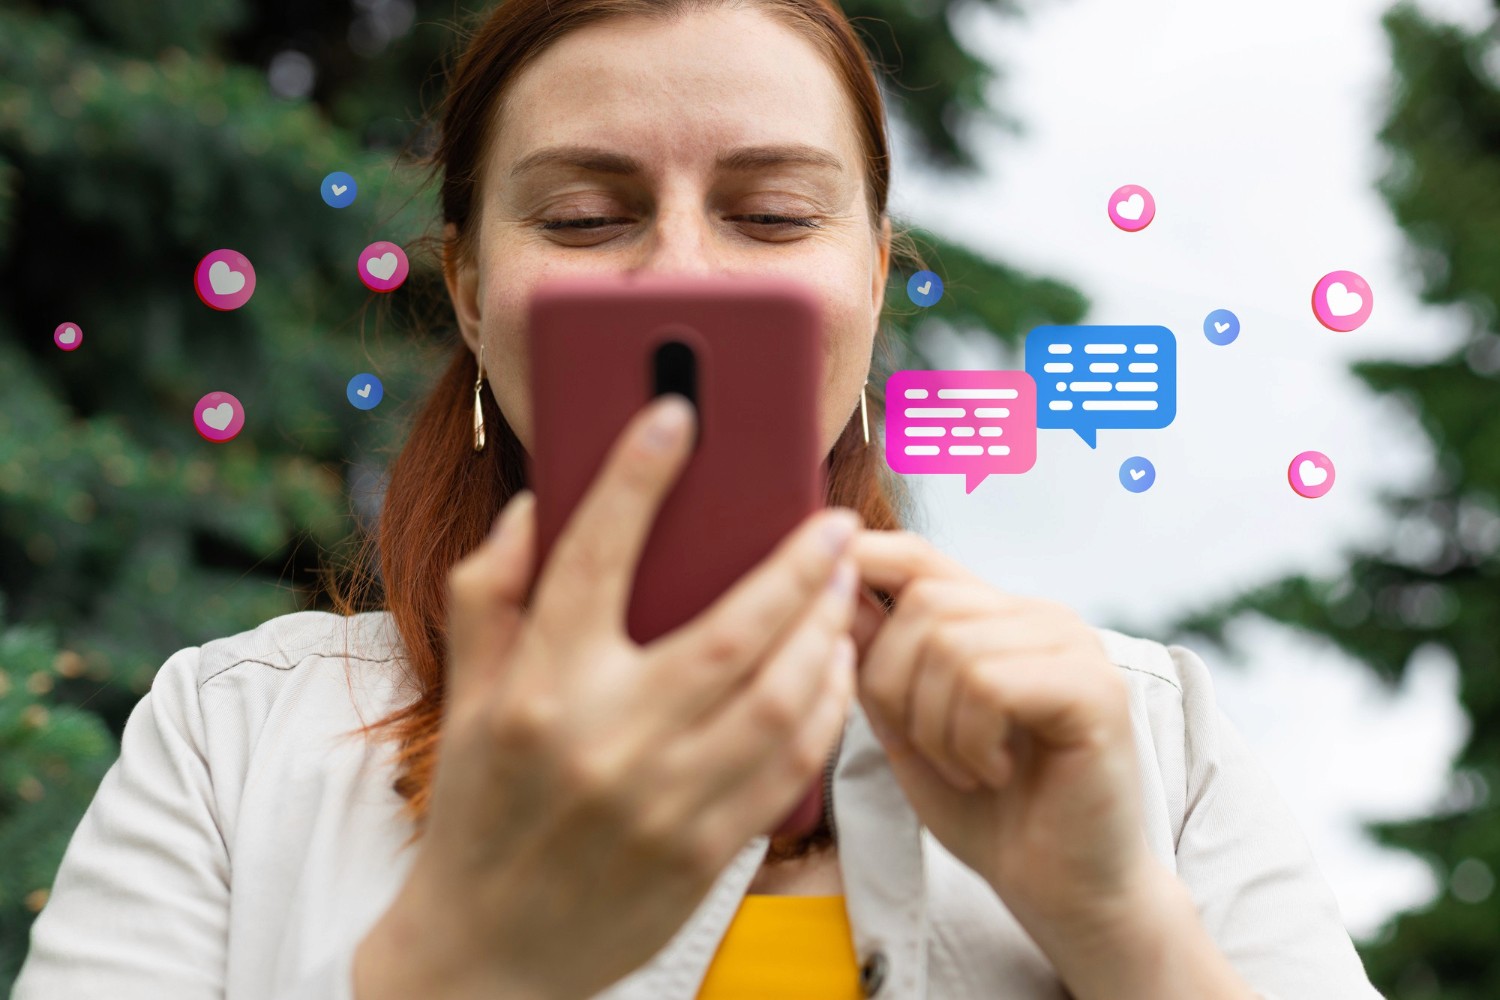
1094, 378
973, 423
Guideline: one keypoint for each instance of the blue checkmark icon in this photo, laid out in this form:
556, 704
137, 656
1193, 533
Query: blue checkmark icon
1221, 327
1137, 474
364, 391
339, 190
924, 288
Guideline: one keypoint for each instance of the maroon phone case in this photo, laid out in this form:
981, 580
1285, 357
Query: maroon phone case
755, 472
757, 469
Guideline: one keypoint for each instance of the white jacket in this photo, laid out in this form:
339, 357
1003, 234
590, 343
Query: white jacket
240, 848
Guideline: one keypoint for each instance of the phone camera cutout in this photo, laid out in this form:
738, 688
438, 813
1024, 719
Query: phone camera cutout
675, 369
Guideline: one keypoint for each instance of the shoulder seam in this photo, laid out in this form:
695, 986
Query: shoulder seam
293, 666
1151, 673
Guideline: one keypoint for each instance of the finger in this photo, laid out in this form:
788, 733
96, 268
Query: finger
1054, 697
889, 667
766, 792
932, 696
975, 730
965, 735
589, 573
772, 714
725, 642
980, 734
889, 560
486, 596
774, 701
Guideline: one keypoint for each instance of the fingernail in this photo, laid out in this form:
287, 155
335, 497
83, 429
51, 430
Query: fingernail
668, 423
844, 653
841, 581
512, 510
838, 528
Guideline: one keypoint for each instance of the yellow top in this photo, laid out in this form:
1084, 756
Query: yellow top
787, 948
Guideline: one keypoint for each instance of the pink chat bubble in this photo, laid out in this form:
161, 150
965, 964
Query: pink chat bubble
970, 423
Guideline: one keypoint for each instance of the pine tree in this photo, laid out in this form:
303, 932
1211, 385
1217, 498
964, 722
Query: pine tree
1437, 582
136, 138
51, 760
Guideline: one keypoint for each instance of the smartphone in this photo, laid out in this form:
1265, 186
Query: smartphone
747, 352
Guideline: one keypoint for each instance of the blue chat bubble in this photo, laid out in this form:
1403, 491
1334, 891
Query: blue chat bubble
1093, 378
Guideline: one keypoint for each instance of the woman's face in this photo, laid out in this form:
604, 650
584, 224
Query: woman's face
659, 104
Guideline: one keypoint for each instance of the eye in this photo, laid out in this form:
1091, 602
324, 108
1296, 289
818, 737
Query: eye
806, 222
590, 223
595, 222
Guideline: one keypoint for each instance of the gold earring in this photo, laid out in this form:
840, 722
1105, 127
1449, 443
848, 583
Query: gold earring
864, 416
478, 410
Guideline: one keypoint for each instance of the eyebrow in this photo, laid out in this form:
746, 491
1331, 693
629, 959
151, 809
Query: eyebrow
744, 158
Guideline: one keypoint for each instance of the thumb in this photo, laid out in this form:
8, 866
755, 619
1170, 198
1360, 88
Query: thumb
488, 597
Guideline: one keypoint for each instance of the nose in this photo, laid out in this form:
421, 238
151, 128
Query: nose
681, 238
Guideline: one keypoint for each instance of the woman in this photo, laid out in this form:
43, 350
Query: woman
1047, 810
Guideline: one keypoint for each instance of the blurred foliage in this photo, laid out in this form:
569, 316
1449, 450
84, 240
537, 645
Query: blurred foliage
134, 139
1436, 582
51, 760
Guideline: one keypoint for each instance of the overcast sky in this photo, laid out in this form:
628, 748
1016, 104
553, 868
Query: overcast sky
1253, 127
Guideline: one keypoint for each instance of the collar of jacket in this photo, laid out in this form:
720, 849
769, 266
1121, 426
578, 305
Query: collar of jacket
881, 857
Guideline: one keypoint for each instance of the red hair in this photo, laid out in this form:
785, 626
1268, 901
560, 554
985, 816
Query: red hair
442, 496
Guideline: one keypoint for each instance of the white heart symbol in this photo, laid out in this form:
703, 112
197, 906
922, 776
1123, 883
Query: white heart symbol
363, 392
1342, 302
923, 289
219, 417
1311, 473
1131, 208
340, 188
69, 334
1222, 327
1137, 473
383, 266
224, 280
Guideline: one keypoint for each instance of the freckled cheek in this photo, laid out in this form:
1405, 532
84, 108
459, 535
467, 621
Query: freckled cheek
846, 357
508, 357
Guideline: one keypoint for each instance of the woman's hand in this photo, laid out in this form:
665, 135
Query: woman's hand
1007, 727
589, 791
1009, 730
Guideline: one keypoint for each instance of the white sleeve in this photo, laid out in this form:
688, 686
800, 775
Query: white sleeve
1251, 873
139, 909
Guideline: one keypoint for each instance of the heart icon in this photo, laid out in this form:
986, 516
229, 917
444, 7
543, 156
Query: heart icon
69, 334
383, 266
1222, 327
925, 287
1131, 208
224, 280
363, 392
1342, 302
1311, 473
219, 417
1137, 473
340, 188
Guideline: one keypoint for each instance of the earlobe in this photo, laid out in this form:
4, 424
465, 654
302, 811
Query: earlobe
462, 279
